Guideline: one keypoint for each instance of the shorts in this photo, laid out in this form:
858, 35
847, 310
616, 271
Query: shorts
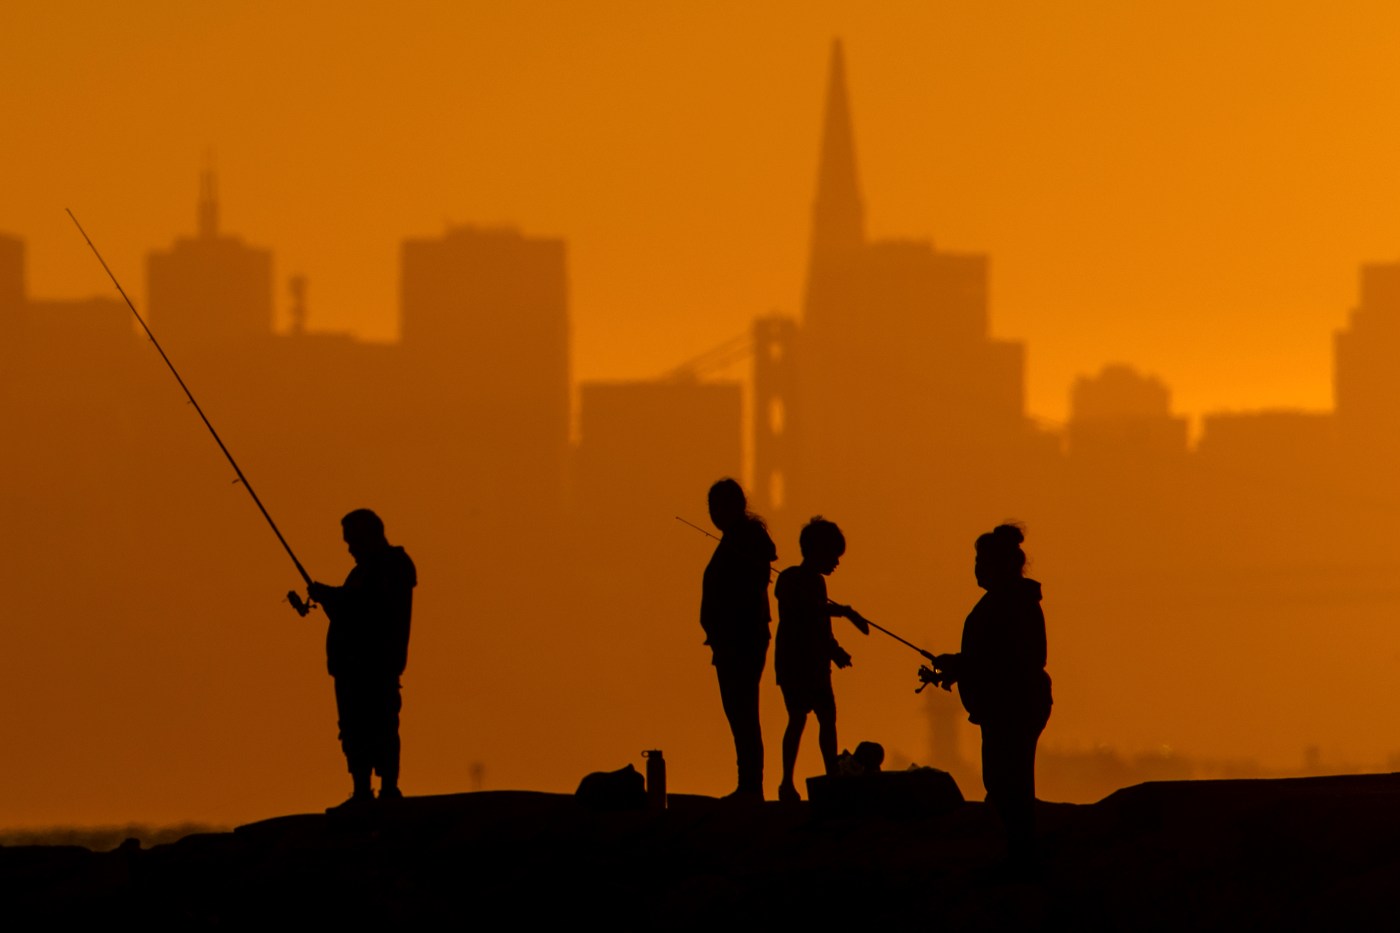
810, 695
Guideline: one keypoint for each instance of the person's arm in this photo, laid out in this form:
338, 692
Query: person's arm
839, 656
401, 615
948, 666
1038, 646
712, 597
838, 611
330, 597
706, 612
833, 610
767, 550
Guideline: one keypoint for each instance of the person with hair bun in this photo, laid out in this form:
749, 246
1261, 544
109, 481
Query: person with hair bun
1001, 678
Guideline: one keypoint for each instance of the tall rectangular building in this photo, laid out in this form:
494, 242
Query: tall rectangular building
496, 302
1366, 381
210, 291
485, 332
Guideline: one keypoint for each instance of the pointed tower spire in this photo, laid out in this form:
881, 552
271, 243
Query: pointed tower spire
208, 202
838, 214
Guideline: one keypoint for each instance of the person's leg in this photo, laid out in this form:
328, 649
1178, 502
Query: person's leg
1020, 826
349, 707
825, 709
387, 727
738, 690
1008, 773
792, 742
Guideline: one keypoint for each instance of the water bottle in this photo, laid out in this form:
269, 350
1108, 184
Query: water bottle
656, 779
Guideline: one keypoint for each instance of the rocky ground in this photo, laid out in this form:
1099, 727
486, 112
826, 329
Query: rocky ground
1315, 853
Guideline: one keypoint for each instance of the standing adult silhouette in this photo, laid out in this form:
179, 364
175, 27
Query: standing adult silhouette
735, 614
1001, 678
367, 651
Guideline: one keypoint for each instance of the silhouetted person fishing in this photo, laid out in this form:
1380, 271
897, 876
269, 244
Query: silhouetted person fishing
807, 648
366, 652
735, 615
1001, 678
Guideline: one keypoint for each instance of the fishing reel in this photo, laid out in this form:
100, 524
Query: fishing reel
927, 675
302, 606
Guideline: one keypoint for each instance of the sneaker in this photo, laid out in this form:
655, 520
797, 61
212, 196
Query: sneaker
390, 795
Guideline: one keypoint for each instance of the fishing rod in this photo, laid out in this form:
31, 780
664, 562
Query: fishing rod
880, 628
302, 606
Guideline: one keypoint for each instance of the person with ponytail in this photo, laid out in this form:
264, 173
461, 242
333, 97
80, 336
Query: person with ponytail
736, 617
1001, 678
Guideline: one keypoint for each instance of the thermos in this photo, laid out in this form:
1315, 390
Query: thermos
656, 779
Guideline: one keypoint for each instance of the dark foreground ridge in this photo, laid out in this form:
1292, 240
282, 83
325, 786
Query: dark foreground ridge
1313, 853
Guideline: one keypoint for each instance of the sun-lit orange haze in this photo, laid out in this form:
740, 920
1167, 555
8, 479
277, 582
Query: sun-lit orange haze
1188, 187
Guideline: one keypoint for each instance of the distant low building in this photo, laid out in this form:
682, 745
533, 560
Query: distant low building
1262, 443
1122, 413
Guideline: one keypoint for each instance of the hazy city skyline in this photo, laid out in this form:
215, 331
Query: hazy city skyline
1188, 592
1234, 159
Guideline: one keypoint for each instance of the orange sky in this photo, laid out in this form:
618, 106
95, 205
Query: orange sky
1186, 186
1166, 184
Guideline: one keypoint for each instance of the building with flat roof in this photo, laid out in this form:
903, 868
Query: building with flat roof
484, 318
209, 291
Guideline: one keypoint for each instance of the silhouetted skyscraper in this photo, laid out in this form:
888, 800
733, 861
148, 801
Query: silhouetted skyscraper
1366, 378
495, 303
485, 326
838, 211
898, 379
210, 290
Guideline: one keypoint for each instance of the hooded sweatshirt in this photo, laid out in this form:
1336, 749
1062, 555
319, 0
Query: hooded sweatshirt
734, 609
1001, 669
370, 615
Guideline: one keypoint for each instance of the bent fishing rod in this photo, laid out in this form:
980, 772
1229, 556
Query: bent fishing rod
880, 628
301, 606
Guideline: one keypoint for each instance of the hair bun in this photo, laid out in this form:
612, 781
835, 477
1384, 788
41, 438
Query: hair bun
1010, 534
